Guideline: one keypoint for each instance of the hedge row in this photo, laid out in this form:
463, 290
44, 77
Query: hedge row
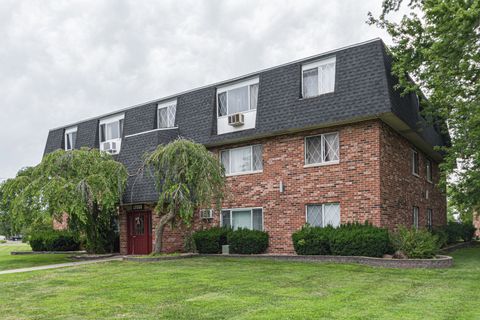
242, 241
53, 240
352, 239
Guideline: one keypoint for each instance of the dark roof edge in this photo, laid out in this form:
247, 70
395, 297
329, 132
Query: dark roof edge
218, 83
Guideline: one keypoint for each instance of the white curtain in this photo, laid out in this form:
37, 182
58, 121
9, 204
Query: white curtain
327, 78
241, 219
330, 147
238, 100
253, 96
113, 130
310, 83
240, 160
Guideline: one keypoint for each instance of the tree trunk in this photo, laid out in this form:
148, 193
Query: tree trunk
159, 230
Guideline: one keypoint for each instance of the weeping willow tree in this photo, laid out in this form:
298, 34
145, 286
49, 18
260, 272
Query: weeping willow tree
87, 184
188, 177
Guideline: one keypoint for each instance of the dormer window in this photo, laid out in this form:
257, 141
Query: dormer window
318, 77
111, 132
70, 138
239, 97
166, 114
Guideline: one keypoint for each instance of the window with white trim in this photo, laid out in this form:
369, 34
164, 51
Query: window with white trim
415, 217
318, 77
111, 132
322, 215
239, 97
429, 219
166, 114
415, 163
242, 160
70, 138
428, 169
251, 218
322, 149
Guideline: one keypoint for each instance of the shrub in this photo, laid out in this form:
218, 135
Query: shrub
355, 239
246, 241
415, 243
211, 240
53, 240
442, 236
312, 240
3, 241
454, 231
468, 231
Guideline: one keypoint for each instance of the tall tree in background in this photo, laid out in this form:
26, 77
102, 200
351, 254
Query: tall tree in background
86, 184
188, 177
438, 44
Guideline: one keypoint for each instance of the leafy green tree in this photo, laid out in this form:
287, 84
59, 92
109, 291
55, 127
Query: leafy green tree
188, 177
87, 184
438, 44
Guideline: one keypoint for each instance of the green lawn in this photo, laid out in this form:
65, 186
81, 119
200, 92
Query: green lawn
8, 261
216, 288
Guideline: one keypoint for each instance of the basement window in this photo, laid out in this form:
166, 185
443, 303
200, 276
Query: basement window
322, 215
248, 218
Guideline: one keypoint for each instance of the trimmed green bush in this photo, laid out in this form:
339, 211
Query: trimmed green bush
3, 241
415, 243
352, 239
454, 231
468, 231
442, 235
312, 240
211, 240
246, 241
355, 239
54, 240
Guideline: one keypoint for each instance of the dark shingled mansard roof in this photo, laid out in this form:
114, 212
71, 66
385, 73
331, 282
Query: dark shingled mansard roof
364, 89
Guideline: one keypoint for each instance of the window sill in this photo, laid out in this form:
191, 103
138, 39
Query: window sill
318, 95
244, 112
243, 173
321, 164
416, 175
430, 181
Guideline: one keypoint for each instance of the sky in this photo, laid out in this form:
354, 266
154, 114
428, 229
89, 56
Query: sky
64, 61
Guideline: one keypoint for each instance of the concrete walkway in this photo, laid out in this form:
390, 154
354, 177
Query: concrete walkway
59, 265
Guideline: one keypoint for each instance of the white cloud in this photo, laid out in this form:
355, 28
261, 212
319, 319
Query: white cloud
63, 61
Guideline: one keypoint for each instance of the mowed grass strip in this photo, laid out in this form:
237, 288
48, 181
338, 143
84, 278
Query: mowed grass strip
219, 288
8, 261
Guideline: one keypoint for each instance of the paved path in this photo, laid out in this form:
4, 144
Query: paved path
59, 265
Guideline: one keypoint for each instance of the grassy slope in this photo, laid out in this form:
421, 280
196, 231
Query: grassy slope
215, 288
8, 261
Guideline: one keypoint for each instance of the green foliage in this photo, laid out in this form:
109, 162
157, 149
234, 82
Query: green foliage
211, 240
442, 236
415, 243
356, 239
86, 183
3, 241
188, 177
351, 239
456, 231
437, 44
189, 244
246, 241
312, 240
468, 231
53, 240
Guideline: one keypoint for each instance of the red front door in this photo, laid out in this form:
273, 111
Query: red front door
139, 232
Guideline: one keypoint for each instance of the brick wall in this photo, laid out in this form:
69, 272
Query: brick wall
476, 223
372, 156
401, 190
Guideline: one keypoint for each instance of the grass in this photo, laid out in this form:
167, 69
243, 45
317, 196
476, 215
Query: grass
219, 288
8, 261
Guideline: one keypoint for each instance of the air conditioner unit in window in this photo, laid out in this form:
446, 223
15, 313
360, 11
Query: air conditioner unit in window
206, 213
110, 147
236, 120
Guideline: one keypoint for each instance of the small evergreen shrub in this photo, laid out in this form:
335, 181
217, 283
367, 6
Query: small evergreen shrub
415, 243
210, 240
356, 239
442, 235
246, 241
53, 240
454, 231
468, 231
312, 240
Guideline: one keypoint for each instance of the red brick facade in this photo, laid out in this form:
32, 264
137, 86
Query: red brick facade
373, 181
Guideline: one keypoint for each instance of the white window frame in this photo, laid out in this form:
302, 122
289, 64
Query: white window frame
242, 209
110, 120
416, 214
251, 161
417, 174
245, 83
67, 132
323, 212
166, 105
429, 170
317, 64
323, 163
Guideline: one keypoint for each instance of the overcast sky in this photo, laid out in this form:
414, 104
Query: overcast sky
64, 61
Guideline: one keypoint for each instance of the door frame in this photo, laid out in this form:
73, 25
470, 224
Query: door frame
149, 230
